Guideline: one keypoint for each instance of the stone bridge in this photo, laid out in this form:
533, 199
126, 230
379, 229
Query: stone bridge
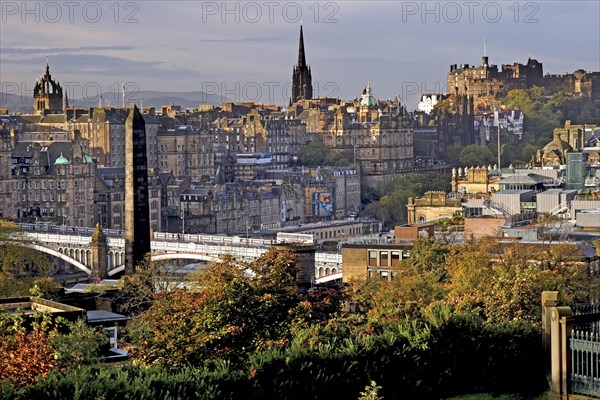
74, 248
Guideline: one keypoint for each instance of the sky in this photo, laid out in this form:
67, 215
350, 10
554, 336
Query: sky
246, 50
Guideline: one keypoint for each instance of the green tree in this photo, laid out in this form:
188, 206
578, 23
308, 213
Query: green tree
474, 155
317, 153
391, 208
22, 268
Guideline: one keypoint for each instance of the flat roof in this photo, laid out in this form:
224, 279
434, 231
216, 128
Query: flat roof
29, 305
97, 316
512, 191
390, 246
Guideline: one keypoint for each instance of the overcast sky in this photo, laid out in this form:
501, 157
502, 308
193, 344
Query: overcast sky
246, 50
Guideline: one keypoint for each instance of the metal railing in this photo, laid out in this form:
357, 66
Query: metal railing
559, 209
585, 363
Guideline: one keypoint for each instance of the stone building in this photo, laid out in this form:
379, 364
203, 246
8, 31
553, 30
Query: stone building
475, 179
378, 133
47, 177
186, 151
330, 193
488, 80
372, 261
103, 128
258, 132
456, 123
252, 166
433, 206
240, 211
48, 95
109, 198
554, 154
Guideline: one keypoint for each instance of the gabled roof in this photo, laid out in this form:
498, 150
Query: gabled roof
54, 119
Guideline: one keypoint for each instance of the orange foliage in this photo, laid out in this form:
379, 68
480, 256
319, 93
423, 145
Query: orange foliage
25, 356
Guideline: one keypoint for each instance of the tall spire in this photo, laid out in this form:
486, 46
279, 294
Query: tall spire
301, 77
301, 55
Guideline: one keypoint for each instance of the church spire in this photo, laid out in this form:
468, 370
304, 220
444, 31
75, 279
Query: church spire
301, 55
301, 77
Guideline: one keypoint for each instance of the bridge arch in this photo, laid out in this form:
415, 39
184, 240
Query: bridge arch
170, 256
58, 254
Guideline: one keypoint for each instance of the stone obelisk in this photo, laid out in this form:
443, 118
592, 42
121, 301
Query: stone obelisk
137, 211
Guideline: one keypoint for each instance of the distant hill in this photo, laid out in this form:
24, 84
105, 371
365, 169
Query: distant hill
149, 98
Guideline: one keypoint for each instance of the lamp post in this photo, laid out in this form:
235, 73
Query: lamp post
247, 235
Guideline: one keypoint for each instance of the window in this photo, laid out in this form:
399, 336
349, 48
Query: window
383, 258
372, 258
395, 258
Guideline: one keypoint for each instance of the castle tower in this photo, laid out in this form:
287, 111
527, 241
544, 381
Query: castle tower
301, 77
99, 252
137, 210
47, 95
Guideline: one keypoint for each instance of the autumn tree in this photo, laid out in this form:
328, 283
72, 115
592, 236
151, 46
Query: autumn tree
503, 282
149, 278
32, 346
235, 309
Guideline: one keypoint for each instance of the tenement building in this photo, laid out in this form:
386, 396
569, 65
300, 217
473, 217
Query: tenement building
50, 178
377, 133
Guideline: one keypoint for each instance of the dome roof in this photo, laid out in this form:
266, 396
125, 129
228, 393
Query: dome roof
367, 98
557, 145
61, 160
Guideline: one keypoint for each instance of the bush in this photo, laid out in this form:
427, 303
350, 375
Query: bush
441, 355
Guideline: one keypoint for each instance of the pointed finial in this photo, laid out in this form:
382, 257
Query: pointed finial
301, 54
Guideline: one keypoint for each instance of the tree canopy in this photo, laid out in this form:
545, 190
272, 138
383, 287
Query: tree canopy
473, 155
318, 153
391, 207
235, 309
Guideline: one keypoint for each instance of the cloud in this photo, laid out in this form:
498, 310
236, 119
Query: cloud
95, 65
54, 50
242, 40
